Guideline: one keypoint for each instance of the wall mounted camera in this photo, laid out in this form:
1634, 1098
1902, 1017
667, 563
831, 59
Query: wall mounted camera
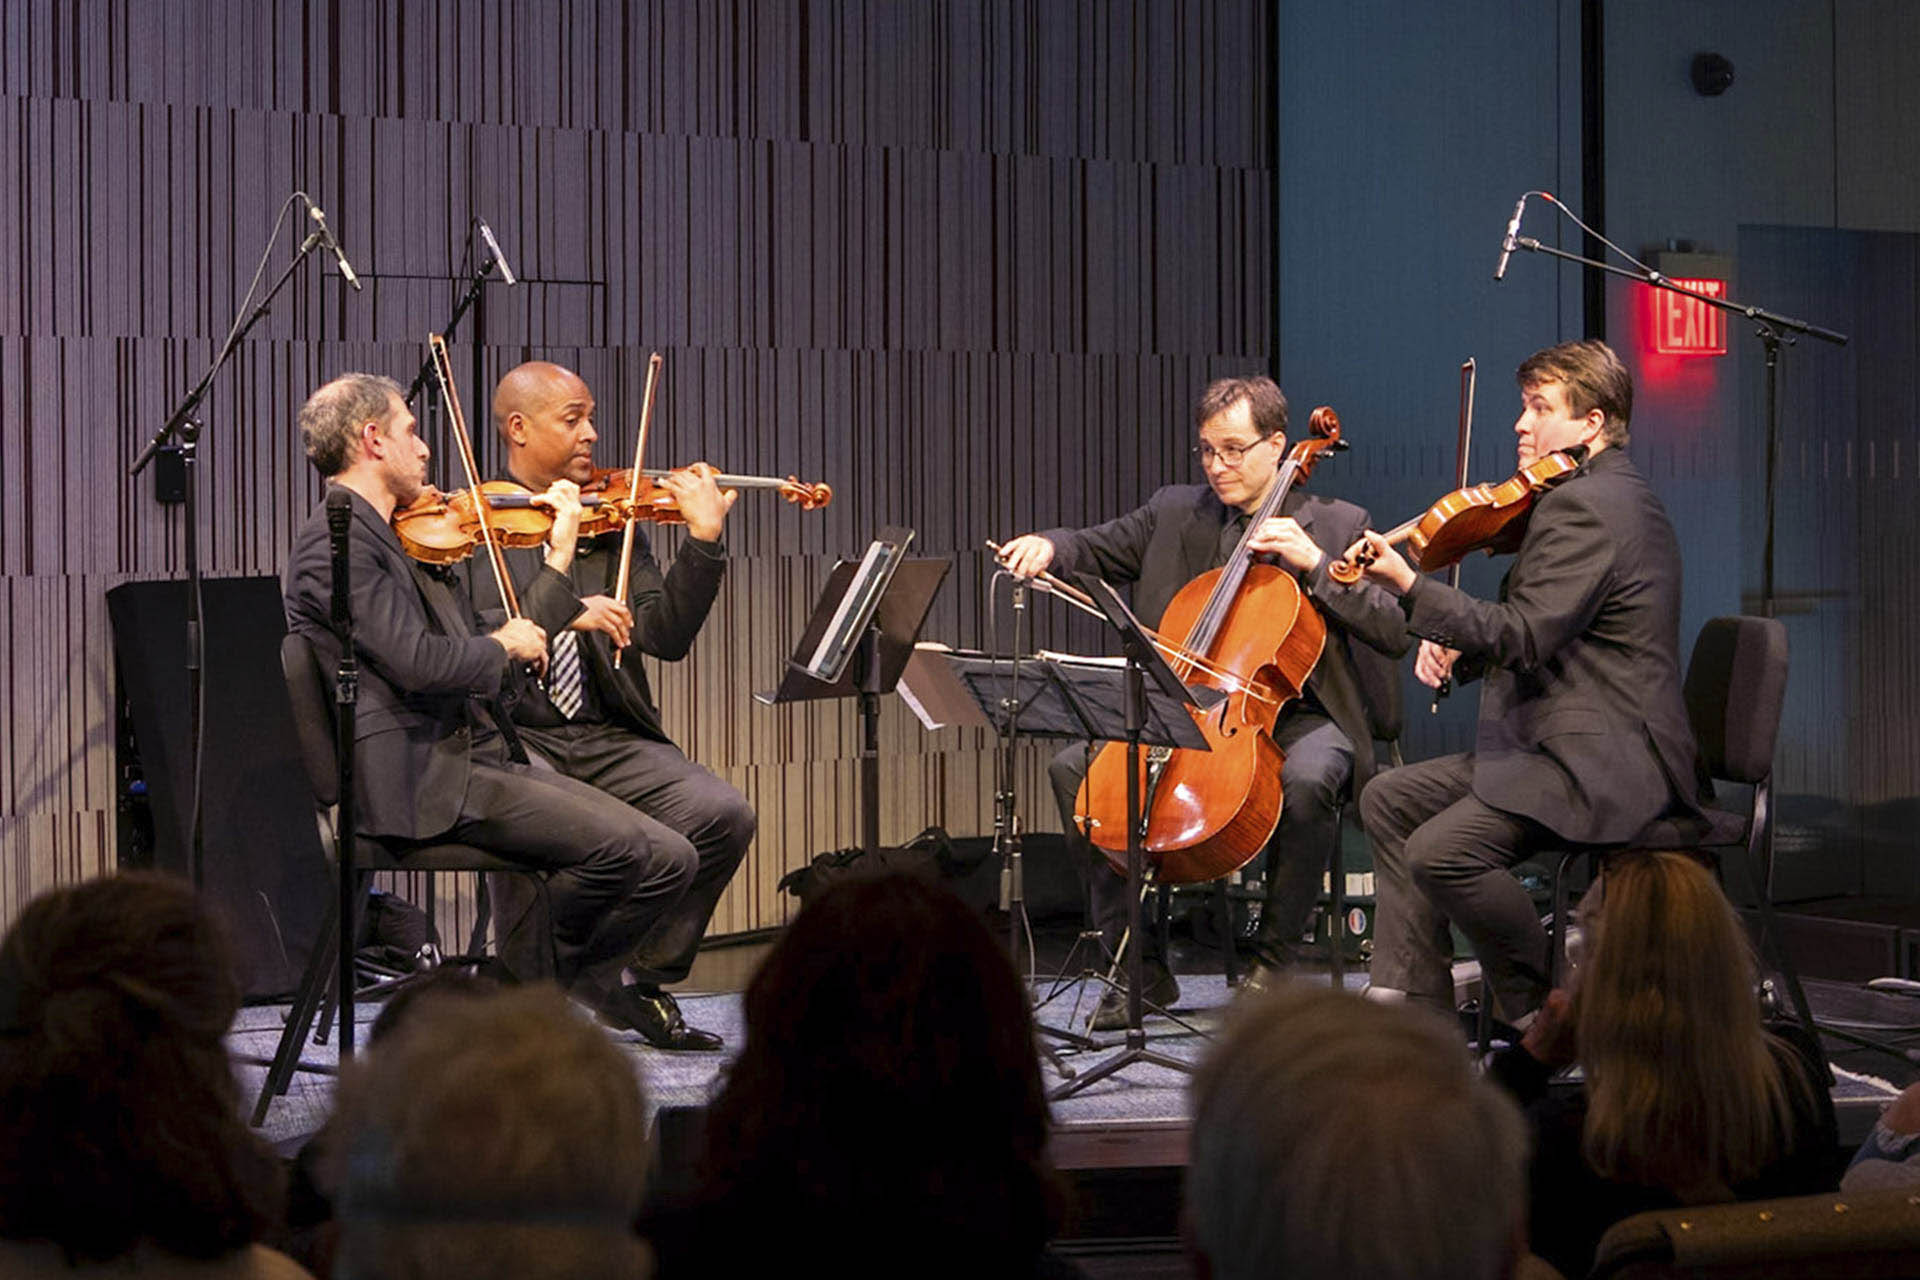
1712, 74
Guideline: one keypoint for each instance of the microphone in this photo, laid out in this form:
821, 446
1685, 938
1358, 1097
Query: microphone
1513, 230
339, 518
326, 238
493, 247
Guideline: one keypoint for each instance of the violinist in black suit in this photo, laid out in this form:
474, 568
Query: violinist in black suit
1583, 735
434, 760
598, 723
1327, 735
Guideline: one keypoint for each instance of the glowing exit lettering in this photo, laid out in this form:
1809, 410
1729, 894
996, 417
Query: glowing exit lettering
1684, 326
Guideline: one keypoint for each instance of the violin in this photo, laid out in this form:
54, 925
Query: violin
610, 496
1481, 517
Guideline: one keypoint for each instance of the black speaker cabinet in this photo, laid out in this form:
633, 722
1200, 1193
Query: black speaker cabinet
263, 866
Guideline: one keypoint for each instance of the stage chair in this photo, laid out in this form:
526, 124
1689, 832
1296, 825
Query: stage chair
1735, 686
1875, 1234
309, 690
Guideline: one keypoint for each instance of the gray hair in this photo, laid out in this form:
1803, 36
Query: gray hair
330, 420
1335, 1137
491, 1137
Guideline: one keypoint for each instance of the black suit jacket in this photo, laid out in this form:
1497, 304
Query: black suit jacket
426, 676
1582, 725
668, 611
1175, 537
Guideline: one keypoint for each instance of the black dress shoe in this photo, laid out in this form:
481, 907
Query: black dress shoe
1157, 988
656, 1016
1259, 980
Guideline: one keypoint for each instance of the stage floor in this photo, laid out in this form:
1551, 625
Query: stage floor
1136, 1118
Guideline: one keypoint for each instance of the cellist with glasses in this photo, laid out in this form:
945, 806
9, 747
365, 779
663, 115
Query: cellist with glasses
1325, 734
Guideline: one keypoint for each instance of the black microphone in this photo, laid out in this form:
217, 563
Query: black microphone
493, 247
326, 238
1513, 230
339, 518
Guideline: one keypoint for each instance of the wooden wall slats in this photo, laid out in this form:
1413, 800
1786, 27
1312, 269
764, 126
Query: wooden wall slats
969, 262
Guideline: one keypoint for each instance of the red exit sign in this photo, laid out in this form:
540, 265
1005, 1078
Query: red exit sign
1684, 326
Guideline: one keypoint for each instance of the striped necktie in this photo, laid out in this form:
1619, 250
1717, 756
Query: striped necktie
563, 675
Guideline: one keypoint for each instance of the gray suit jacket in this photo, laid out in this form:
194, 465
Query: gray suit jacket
426, 675
1582, 725
1174, 538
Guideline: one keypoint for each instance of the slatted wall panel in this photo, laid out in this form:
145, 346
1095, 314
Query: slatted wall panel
969, 262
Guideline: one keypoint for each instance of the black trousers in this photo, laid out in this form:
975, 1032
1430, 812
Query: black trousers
688, 818
611, 882
1313, 777
1441, 854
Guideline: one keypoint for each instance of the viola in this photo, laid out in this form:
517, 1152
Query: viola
1481, 517
1248, 630
444, 528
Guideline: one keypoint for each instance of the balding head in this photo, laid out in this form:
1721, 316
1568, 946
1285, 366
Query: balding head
544, 414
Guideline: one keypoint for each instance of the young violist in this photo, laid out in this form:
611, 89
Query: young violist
1583, 736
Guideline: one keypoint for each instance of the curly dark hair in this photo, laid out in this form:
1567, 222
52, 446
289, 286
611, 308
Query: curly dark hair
119, 1113
889, 1071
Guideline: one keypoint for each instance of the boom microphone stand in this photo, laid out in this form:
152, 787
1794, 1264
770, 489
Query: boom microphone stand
1771, 329
184, 425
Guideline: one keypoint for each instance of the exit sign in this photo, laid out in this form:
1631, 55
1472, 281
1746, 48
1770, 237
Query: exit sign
1684, 326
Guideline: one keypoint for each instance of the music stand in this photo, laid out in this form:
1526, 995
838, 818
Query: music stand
857, 643
1171, 725
1086, 700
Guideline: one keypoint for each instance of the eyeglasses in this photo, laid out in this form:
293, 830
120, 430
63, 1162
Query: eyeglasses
1230, 455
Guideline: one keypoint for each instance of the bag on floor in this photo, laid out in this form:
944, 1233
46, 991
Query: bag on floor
930, 854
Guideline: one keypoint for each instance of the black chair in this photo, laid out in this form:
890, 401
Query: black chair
1735, 686
308, 689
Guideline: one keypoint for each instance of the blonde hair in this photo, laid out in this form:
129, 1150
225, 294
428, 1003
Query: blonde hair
1686, 1090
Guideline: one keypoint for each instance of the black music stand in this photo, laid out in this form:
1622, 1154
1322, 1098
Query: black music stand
1171, 725
857, 643
1085, 700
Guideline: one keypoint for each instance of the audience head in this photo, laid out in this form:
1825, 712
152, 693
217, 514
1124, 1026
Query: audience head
889, 1071
490, 1135
119, 1113
1685, 1088
1335, 1137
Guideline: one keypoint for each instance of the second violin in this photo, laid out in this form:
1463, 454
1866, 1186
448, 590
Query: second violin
612, 495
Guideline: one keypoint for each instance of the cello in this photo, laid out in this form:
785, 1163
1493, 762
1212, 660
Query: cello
1246, 629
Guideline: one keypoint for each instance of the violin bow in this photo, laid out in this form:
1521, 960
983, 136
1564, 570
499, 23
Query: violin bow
443, 373
1468, 372
639, 452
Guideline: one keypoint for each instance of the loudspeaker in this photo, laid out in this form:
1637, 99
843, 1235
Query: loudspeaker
263, 869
